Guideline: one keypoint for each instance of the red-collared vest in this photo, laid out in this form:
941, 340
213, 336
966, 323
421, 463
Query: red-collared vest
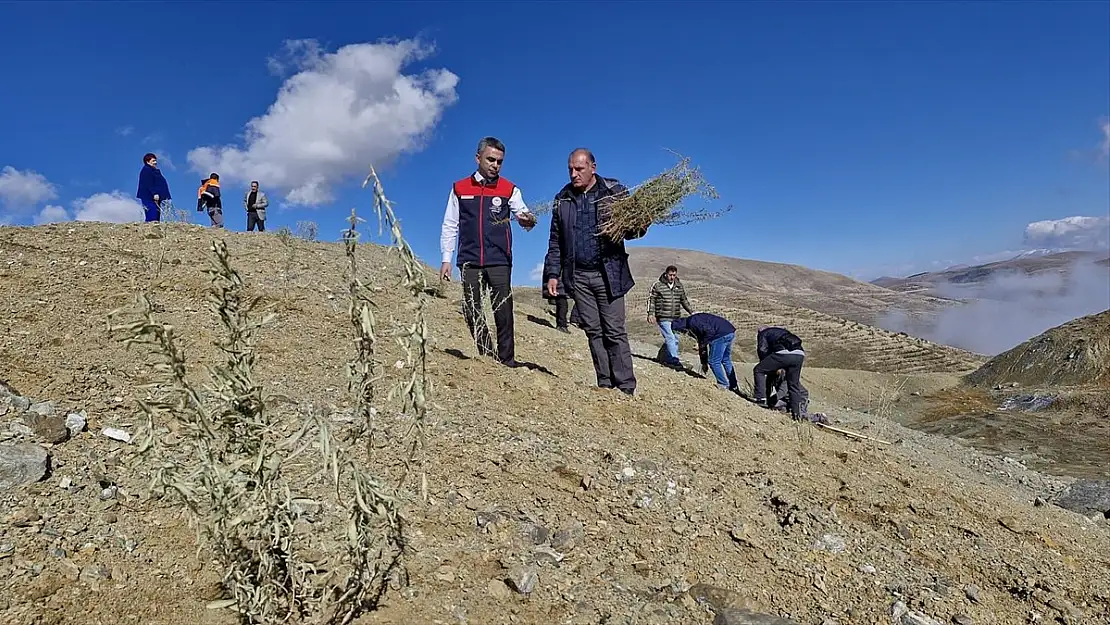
485, 227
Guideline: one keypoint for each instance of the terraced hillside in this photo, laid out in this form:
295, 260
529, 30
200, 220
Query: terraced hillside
792, 285
831, 341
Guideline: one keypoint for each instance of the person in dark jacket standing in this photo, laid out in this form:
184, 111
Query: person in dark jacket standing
153, 188
666, 301
593, 268
779, 348
255, 202
479, 217
715, 335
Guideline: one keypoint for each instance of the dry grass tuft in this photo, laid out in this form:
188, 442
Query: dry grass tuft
172, 214
659, 201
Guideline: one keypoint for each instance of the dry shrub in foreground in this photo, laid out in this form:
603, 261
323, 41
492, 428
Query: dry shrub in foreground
659, 201
238, 467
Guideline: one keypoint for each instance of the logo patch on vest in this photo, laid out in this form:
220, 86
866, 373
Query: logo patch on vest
496, 208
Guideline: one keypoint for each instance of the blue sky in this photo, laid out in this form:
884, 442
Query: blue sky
864, 138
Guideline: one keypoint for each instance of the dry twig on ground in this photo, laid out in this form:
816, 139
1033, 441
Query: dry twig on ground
659, 201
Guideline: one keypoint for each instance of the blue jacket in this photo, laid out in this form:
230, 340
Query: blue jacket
151, 183
706, 327
559, 262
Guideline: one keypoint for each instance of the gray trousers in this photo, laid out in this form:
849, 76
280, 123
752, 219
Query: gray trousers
602, 319
217, 217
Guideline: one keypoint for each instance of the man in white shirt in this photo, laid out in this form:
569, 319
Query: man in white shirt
479, 215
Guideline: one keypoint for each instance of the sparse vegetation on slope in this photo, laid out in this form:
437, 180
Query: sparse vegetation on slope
549, 500
1075, 353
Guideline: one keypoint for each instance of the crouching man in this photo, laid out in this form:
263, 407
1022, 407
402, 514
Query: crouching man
715, 335
780, 349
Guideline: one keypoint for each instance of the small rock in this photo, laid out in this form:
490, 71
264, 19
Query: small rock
830, 543
109, 493
523, 580
24, 517
48, 428
498, 590
65, 482
567, 539
6, 550
117, 434
18, 427
110, 518
76, 422
962, 619
869, 569
972, 593
94, 573
539, 534
22, 463
1039, 503
42, 408
628, 473
544, 553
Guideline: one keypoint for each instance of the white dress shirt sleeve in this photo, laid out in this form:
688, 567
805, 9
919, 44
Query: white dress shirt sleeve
516, 203
449, 234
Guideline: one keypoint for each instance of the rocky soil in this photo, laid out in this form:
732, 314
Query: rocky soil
551, 501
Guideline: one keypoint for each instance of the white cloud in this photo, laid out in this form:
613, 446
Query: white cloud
339, 113
51, 214
1071, 233
125, 131
24, 188
112, 207
537, 273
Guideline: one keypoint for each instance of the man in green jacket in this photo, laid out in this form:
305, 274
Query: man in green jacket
666, 302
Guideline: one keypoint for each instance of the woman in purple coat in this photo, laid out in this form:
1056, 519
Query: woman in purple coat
153, 188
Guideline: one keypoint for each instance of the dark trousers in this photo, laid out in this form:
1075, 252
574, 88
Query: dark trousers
497, 279
792, 364
561, 306
253, 220
602, 318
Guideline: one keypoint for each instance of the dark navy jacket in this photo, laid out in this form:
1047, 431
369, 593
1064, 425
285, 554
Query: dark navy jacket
151, 183
485, 224
705, 327
774, 339
559, 262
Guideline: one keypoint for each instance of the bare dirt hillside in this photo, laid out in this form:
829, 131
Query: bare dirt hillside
660, 508
1076, 353
928, 283
792, 285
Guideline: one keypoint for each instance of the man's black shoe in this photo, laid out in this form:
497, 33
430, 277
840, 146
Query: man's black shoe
512, 364
627, 391
563, 329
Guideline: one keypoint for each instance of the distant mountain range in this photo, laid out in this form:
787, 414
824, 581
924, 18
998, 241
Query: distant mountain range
1028, 263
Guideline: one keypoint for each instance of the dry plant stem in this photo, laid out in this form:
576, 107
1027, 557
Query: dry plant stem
414, 390
233, 472
361, 369
659, 201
